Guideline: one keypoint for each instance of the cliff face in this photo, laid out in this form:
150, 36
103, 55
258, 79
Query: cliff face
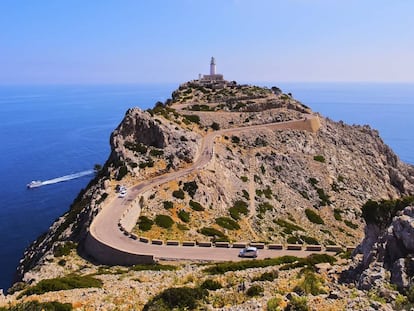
285, 186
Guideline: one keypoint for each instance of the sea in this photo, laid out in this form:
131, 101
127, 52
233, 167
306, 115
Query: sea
57, 133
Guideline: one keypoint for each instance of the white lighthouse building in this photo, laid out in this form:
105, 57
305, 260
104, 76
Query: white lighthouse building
213, 76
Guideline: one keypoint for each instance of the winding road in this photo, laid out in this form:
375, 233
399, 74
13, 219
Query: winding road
109, 245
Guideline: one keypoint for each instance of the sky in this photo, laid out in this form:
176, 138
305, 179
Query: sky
157, 41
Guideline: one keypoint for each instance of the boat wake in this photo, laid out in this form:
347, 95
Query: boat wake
39, 183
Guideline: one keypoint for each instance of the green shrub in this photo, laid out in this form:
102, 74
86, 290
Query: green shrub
224, 267
268, 193
177, 298
309, 240
297, 303
153, 267
337, 214
62, 262
182, 227
274, 304
314, 217
196, 206
64, 283
313, 181
192, 118
246, 195
63, 249
140, 148
255, 290
244, 178
191, 188
184, 216
215, 126
144, 223
381, 213
211, 284
293, 240
239, 207
264, 207
210, 231
319, 158
267, 276
311, 284
325, 199
309, 262
350, 224
179, 194
227, 223
235, 139
156, 152
39, 306
168, 204
123, 170
288, 227
164, 221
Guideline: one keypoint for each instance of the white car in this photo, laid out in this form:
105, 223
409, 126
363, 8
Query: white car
122, 193
251, 252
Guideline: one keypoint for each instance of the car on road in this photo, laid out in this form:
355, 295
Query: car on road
122, 193
250, 252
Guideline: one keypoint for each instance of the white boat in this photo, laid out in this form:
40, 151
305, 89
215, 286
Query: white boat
34, 184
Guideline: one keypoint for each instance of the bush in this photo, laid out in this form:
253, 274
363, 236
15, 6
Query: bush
264, 207
63, 249
192, 118
350, 224
239, 207
323, 197
235, 139
196, 206
267, 276
184, 216
209, 231
191, 188
179, 194
215, 126
144, 223
337, 214
288, 227
156, 152
319, 158
211, 285
224, 267
39, 306
140, 148
244, 178
63, 283
164, 221
227, 223
309, 261
311, 284
314, 217
181, 298
123, 170
297, 304
255, 290
274, 304
153, 267
382, 212
168, 204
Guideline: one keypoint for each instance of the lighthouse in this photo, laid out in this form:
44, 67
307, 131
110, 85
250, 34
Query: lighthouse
212, 67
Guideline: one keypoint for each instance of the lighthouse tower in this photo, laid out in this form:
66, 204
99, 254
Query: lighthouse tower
212, 67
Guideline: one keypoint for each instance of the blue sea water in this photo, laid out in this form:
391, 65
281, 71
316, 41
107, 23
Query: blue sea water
48, 132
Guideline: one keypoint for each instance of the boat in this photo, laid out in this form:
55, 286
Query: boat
34, 184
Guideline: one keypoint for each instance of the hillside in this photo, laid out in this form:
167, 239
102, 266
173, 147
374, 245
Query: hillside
276, 173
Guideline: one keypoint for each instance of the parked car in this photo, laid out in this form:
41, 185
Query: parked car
249, 252
122, 193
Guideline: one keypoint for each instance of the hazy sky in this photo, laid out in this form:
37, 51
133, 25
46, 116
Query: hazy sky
129, 41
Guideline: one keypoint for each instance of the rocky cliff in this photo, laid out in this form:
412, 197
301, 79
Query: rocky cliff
281, 186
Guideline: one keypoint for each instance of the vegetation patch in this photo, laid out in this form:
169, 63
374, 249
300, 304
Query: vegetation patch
311, 284
184, 216
255, 290
123, 170
164, 221
267, 276
350, 224
145, 223
287, 226
239, 207
136, 147
179, 194
227, 223
153, 267
39, 306
63, 249
64, 283
168, 204
309, 262
176, 298
192, 118
244, 178
264, 207
382, 212
211, 285
325, 199
314, 217
213, 232
191, 188
156, 152
319, 158
235, 139
196, 206
337, 214
298, 303
224, 267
